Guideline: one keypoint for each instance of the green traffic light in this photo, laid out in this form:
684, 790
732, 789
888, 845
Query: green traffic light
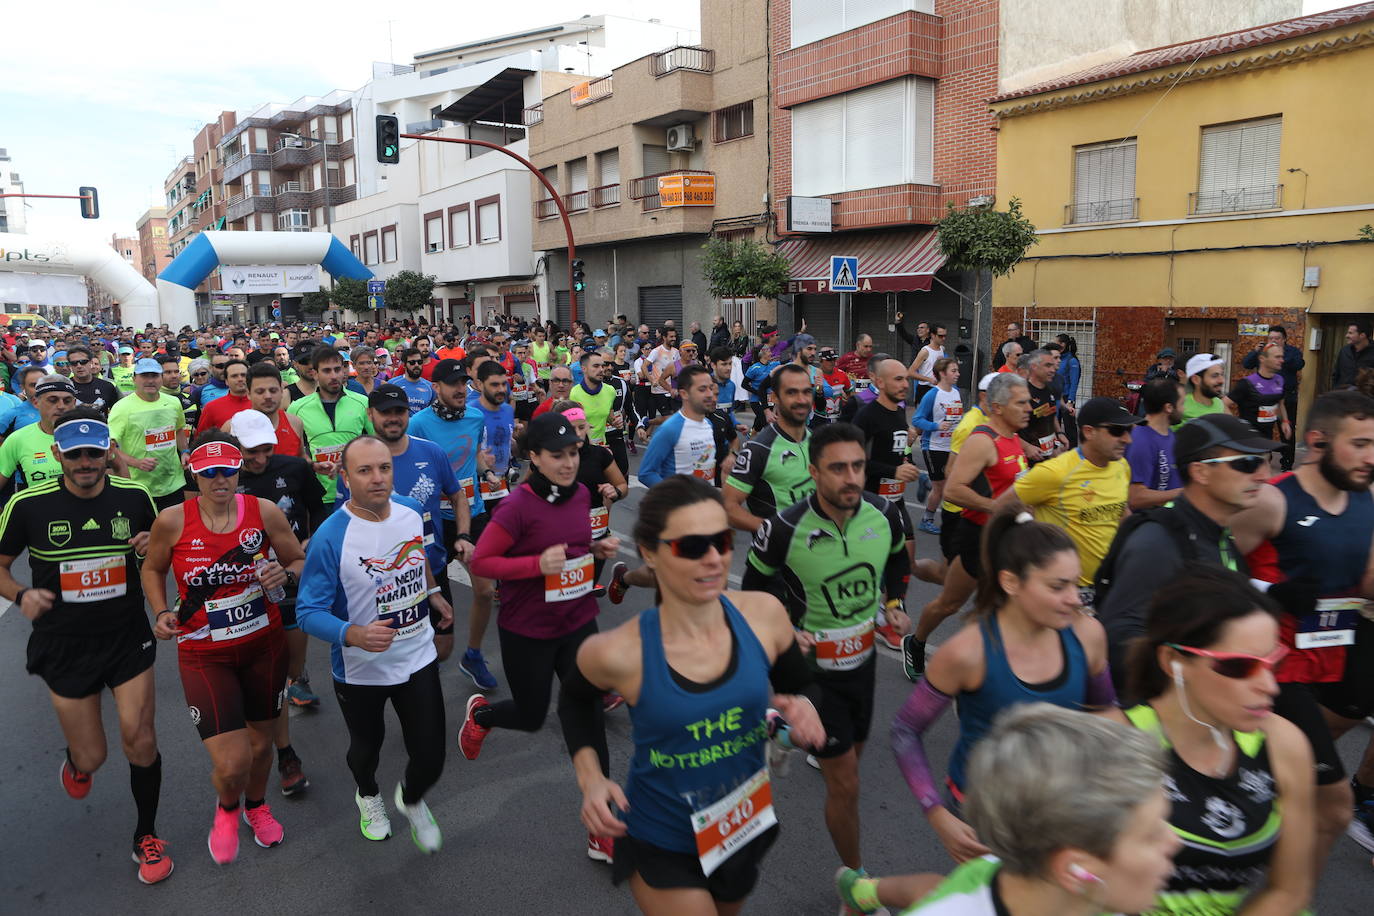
391, 150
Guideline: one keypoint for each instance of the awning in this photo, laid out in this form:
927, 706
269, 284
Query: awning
888, 262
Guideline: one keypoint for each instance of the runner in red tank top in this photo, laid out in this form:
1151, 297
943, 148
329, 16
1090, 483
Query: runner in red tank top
230, 646
265, 393
983, 470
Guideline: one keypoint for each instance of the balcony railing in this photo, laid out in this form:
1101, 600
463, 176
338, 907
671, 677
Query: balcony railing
608, 195
287, 187
534, 115
645, 189
1102, 211
1236, 200
683, 57
590, 91
425, 127
545, 209
575, 201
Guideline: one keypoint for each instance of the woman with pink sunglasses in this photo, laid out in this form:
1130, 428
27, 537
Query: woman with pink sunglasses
1239, 777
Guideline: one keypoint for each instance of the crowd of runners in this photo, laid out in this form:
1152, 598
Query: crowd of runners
1170, 625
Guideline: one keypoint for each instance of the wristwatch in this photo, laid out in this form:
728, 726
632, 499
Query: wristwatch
464, 536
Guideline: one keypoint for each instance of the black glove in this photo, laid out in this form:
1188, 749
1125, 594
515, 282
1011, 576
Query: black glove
1296, 596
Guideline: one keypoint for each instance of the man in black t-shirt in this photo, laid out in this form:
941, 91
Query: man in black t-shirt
85, 530
887, 435
1043, 435
91, 389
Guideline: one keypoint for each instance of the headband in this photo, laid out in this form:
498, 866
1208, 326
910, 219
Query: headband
215, 455
575, 413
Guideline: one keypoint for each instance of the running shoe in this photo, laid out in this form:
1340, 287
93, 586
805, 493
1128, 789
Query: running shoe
848, 886
475, 666
298, 693
929, 526
150, 854
293, 781
424, 830
76, 783
913, 657
471, 735
601, 848
922, 487
1361, 828
224, 836
372, 819
611, 700
888, 636
812, 762
267, 830
616, 590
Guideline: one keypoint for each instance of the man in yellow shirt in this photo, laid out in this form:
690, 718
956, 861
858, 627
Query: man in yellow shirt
1084, 491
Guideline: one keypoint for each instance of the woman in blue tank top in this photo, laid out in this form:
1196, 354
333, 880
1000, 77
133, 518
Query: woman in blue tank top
1030, 642
699, 673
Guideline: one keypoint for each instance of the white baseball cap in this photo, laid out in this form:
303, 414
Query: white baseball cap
986, 380
252, 428
1201, 362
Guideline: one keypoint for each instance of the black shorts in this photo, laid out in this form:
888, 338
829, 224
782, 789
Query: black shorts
287, 606
1298, 704
171, 499
80, 665
846, 707
480, 522
969, 541
936, 461
662, 405
949, 533
524, 410
1352, 697
663, 869
229, 686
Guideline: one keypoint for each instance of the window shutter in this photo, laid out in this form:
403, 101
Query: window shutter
1104, 181
489, 222
608, 167
1240, 166
656, 160
874, 135
577, 175
921, 131
818, 147
813, 20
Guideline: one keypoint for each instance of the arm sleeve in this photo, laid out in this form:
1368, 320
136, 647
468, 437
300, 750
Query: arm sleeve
319, 593
925, 412
922, 708
8, 459
13, 538
897, 573
658, 457
580, 714
1100, 693
903, 333
490, 560
1139, 460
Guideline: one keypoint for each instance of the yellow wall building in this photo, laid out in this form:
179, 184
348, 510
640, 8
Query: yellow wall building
1183, 194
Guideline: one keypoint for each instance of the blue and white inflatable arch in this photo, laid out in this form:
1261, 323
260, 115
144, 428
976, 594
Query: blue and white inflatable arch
177, 283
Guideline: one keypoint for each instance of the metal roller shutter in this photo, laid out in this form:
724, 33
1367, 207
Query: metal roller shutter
562, 307
822, 315
658, 304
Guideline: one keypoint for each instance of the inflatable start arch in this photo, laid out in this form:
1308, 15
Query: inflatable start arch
99, 263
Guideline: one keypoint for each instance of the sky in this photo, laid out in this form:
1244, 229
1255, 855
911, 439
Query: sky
112, 94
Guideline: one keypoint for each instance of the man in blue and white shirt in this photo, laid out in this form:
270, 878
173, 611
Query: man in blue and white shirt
688, 442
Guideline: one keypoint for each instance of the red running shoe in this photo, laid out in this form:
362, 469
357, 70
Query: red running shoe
471, 735
224, 836
601, 848
154, 864
617, 587
611, 700
267, 830
888, 636
76, 783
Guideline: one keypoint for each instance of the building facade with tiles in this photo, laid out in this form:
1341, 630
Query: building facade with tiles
1192, 195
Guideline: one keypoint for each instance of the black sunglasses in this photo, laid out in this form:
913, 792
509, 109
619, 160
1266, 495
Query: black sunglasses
80, 362
694, 546
1116, 430
1245, 464
92, 453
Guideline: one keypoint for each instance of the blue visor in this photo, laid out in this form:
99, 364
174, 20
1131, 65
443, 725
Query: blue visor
81, 434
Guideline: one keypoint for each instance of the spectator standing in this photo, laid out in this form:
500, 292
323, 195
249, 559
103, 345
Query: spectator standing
1014, 335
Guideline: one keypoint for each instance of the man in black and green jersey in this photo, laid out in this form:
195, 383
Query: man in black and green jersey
831, 558
770, 471
85, 531
332, 417
29, 450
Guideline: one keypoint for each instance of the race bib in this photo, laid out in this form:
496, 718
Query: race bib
573, 581
159, 438
469, 491
329, 453
1268, 413
891, 487
841, 650
1331, 624
428, 529
724, 828
407, 616
703, 474
1046, 444
94, 579
493, 491
234, 616
601, 522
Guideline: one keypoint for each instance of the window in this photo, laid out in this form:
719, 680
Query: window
369, 248
1104, 182
434, 232
1239, 168
813, 20
294, 220
459, 229
577, 175
734, 122
489, 219
1084, 334
608, 167
657, 160
872, 137
355, 245
551, 175
389, 244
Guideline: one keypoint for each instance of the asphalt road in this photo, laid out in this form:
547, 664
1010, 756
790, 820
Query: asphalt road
512, 839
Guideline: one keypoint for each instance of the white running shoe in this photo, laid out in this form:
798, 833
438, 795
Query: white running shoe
373, 819
424, 830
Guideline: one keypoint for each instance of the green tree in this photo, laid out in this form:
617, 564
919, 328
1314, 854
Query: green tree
349, 294
743, 268
315, 303
982, 239
409, 291
1367, 233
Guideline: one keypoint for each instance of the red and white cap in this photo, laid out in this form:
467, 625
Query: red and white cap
215, 455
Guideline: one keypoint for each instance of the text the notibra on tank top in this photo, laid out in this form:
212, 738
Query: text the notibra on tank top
737, 735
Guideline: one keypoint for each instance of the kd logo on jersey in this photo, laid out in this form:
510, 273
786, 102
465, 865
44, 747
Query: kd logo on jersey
851, 591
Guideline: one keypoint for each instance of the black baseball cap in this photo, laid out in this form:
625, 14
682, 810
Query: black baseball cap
1218, 430
302, 353
448, 372
550, 432
1106, 412
386, 397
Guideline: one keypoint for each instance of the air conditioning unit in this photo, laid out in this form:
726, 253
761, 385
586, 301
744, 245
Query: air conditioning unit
681, 138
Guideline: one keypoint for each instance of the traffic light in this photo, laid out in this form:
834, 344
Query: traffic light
90, 204
579, 277
388, 139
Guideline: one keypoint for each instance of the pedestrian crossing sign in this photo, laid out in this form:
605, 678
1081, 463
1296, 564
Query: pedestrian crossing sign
844, 274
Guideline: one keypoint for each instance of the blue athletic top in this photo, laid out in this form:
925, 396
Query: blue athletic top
1331, 549
1002, 689
693, 748
419, 392
461, 439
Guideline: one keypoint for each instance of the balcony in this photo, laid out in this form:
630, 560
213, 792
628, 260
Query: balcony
545, 209
1123, 209
608, 195
293, 154
646, 189
1236, 200
426, 127
682, 57
576, 201
590, 91
288, 186
241, 206
242, 165
533, 115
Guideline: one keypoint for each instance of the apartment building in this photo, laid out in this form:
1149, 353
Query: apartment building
649, 161
154, 251
12, 218
880, 120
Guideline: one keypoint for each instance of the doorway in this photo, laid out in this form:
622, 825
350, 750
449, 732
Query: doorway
1189, 336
